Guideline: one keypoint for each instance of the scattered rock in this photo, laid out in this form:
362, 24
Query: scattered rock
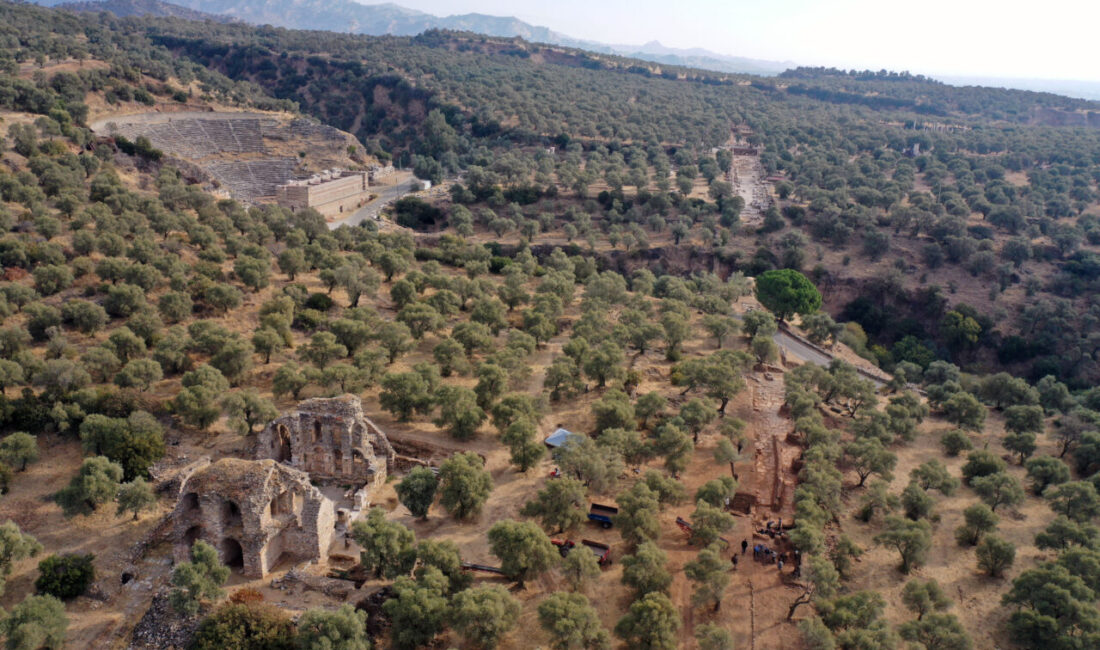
161, 628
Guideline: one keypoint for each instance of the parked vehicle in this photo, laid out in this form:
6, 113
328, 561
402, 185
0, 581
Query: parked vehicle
602, 551
602, 514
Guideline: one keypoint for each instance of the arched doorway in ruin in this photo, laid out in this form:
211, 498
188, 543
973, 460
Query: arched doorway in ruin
282, 444
232, 553
192, 535
190, 502
231, 515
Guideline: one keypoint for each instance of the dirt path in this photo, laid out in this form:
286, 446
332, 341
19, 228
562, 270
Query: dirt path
759, 594
773, 455
747, 178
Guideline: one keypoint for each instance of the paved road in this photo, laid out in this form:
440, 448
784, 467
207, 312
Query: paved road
386, 194
800, 349
792, 345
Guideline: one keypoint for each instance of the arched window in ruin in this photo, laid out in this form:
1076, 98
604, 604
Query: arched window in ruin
190, 502
318, 461
192, 535
232, 553
282, 504
358, 463
282, 444
231, 515
338, 460
316, 431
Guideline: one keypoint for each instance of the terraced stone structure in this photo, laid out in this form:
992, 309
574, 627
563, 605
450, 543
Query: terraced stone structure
256, 513
247, 155
332, 440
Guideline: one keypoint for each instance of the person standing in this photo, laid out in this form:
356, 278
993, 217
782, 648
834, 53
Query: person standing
744, 546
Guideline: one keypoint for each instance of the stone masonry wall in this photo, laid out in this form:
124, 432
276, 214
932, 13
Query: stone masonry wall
331, 439
255, 513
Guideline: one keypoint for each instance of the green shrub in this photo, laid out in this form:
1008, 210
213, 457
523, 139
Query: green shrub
245, 626
318, 301
65, 576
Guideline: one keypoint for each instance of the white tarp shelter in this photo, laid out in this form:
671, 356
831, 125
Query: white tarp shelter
558, 438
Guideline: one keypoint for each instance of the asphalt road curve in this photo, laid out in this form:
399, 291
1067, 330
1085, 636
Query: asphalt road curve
386, 194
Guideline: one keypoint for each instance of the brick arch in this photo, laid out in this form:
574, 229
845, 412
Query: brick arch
231, 514
282, 444
232, 553
192, 535
190, 501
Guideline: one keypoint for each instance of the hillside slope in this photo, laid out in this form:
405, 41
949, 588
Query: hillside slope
587, 260
158, 8
390, 19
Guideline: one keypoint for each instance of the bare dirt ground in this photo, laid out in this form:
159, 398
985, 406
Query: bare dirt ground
755, 604
105, 615
50, 68
773, 455
747, 177
757, 597
977, 597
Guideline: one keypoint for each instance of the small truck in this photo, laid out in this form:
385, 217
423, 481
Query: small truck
602, 551
602, 514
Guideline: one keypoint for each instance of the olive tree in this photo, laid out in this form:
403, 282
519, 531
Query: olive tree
197, 581
464, 485
524, 550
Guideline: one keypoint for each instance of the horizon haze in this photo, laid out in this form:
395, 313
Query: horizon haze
977, 40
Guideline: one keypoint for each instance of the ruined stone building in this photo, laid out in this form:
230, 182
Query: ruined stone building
331, 439
330, 193
256, 513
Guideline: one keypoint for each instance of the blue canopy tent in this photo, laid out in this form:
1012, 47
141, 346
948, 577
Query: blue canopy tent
558, 438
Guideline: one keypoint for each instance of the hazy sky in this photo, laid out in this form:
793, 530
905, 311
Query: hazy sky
1009, 38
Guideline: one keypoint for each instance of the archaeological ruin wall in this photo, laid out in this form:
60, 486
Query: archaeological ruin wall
330, 193
332, 440
256, 513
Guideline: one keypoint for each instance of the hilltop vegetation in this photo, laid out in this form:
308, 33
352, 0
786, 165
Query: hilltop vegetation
986, 197
591, 265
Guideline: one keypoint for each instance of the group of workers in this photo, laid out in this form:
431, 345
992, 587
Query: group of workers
766, 554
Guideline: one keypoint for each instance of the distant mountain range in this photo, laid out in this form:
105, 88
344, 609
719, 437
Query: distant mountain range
378, 19
348, 16
124, 8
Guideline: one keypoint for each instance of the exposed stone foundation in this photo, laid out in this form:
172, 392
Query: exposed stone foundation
256, 513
